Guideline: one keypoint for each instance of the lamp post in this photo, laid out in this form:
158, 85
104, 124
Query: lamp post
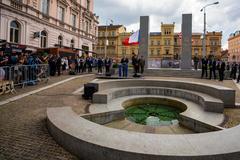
204, 30
106, 36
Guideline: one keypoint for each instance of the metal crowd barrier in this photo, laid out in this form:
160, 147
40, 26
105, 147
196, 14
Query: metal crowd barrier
21, 75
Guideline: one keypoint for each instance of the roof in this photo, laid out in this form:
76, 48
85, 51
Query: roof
110, 26
155, 33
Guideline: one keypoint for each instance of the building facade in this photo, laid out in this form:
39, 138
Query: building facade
49, 23
234, 47
162, 45
109, 35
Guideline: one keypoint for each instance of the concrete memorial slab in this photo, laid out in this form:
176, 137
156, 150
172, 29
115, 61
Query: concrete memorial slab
186, 58
144, 38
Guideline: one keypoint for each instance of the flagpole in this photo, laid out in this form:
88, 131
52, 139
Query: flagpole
106, 36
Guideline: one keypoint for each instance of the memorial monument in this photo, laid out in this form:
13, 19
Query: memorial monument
186, 57
144, 38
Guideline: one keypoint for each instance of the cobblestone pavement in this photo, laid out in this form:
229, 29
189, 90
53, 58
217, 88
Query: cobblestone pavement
23, 132
20, 90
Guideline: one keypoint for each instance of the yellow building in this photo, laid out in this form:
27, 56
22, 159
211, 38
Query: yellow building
108, 37
162, 45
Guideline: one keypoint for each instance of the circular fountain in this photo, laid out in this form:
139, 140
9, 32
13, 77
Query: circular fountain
196, 106
153, 111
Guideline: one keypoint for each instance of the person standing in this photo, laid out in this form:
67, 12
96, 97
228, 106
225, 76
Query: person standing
214, 68
77, 64
134, 62
195, 61
222, 66
238, 79
58, 64
108, 65
204, 67
100, 65
137, 65
228, 66
233, 74
142, 64
3, 59
124, 62
210, 66
89, 65
51, 63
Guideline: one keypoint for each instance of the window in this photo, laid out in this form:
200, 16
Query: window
88, 4
175, 41
158, 52
152, 51
72, 43
152, 43
61, 13
113, 33
167, 42
159, 43
45, 6
167, 31
43, 39
74, 17
87, 27
167, 51
60, 41
14, 32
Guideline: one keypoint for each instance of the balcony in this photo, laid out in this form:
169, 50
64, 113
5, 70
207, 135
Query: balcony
16, 4
45, 17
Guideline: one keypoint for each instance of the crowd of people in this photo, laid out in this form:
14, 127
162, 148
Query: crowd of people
235, 71
210, 67
22, 59
138, 64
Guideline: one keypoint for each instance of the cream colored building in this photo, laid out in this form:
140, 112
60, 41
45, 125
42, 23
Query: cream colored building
47, 23
162, 45
234, 47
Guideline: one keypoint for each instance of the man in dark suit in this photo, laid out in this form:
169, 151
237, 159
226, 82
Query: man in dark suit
238, 79
204, 67
222, 66
212, 67
233, 74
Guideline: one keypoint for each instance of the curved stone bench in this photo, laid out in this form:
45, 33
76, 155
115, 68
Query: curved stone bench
208, 102
227, 95
91, 141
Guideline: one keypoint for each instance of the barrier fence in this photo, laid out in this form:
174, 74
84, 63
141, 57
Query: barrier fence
21, 75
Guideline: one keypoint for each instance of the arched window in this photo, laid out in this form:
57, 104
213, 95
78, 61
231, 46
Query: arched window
15, 32
60, 41
43, 39
72, 43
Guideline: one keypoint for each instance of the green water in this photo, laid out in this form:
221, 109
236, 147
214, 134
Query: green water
140, 113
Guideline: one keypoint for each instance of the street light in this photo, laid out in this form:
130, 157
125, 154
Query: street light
106, 40
204, 30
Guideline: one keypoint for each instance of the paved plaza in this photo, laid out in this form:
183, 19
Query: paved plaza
23, 122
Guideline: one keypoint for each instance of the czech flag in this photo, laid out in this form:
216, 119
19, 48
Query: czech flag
132, 40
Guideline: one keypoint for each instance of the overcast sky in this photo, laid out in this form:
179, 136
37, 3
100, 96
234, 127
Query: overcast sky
223, 17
